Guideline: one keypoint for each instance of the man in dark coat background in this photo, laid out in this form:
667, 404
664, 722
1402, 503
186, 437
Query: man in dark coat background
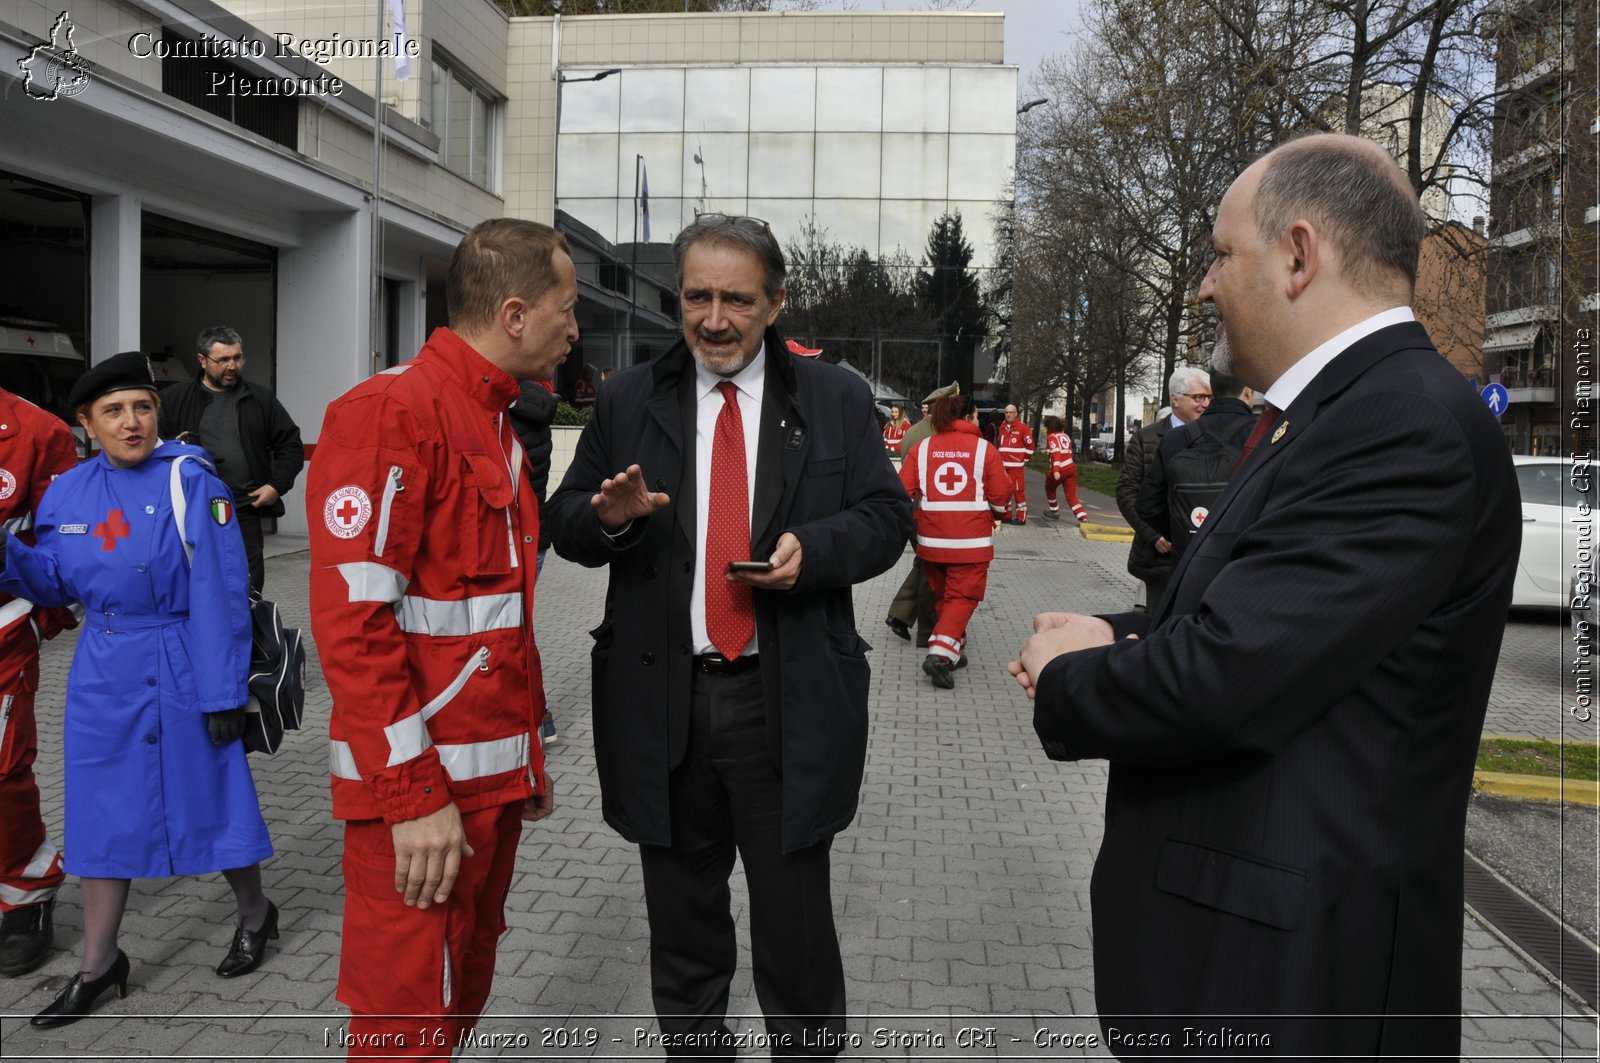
251, 437
1292, 734
730, 706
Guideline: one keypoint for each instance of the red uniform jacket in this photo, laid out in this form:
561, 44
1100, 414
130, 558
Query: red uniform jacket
1015, 443
35, 448
961, 488
424, 535
893, 433
1060, 446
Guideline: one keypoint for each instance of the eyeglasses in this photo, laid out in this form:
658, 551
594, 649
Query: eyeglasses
226, 363
1198, 400
738, 221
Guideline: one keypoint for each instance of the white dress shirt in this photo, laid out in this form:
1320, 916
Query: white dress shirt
708, 406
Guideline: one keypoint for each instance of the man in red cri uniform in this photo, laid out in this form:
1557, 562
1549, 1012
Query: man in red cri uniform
424, 544
1016, 447
1063, 472
35, 448
961, 487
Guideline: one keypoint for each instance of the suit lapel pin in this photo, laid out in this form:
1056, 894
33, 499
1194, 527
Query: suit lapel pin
1282, 428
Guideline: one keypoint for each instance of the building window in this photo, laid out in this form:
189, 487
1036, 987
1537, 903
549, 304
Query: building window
464, 117
269, 107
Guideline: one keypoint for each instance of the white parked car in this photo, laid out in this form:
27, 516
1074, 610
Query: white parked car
1558, 528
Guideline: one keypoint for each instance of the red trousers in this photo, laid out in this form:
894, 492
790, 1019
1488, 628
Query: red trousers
30, 862
1068, 481
416, 979
959, 588
1019, 489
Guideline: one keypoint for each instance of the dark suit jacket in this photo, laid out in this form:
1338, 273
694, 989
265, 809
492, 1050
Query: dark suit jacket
1292, 738
1143, 560
821, 473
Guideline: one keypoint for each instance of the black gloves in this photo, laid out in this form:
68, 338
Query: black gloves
225, 726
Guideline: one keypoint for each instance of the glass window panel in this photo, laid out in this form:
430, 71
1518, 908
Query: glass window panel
589, 106
977, 225
781, 164
783, 98
598, 214
980, 166
914, 165
439, 102
983, 99
717, 100
722, 167
663, 157
786, 216
849, 222
482, 138
459, 141
849, 99
666, 219
848, 164
916, 100
587, 166
651, 100
904, 225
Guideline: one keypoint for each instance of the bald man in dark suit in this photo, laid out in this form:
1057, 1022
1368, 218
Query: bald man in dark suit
1292, 733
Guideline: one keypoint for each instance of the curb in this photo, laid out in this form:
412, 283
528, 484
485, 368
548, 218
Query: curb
1106, 533
1537, 787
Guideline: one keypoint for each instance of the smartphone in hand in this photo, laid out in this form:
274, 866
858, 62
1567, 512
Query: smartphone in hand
749, 566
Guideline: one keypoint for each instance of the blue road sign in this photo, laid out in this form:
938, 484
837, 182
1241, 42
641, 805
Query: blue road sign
1496, 398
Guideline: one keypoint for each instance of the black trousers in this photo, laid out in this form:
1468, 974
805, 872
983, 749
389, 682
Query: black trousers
726, 797
250, 527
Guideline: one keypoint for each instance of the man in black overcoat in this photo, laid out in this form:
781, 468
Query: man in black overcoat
730, 705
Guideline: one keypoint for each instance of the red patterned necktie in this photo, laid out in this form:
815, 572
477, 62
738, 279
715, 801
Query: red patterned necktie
730, 622
1268, 418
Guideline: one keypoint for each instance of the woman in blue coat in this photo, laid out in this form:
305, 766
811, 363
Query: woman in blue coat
156, 779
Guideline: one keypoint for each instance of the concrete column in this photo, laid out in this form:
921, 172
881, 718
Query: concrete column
323, 327
114, 274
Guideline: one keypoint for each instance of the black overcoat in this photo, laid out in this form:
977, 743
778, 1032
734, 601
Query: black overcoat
821, 473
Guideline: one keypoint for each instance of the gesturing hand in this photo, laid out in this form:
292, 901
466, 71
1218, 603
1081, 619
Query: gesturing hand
625, 497
1055, 634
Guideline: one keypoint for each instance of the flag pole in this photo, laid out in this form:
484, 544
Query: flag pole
375, 284
633, 265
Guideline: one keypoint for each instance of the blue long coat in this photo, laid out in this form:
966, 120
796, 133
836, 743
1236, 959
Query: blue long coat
147, 794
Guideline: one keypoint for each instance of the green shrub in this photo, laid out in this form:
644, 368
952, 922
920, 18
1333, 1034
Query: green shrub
567, 414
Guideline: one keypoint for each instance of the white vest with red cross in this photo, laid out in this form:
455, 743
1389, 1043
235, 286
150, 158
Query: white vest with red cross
961, 488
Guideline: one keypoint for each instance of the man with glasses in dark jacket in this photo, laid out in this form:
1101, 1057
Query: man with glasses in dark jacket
251, 437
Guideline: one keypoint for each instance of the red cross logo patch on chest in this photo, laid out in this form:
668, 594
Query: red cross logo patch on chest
114, 527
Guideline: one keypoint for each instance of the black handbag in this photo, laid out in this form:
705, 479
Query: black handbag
277, 677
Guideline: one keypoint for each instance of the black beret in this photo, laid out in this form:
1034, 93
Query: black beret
130, 369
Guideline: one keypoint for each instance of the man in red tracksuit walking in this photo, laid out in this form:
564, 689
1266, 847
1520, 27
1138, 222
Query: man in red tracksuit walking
1063, 472
961, 489
1016, 447
35, 448
424, 544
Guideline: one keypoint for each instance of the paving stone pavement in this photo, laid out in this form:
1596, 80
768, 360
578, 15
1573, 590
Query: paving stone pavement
961, 889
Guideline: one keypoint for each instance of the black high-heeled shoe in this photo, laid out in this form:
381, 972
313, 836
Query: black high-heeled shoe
249, 947
77, 1000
